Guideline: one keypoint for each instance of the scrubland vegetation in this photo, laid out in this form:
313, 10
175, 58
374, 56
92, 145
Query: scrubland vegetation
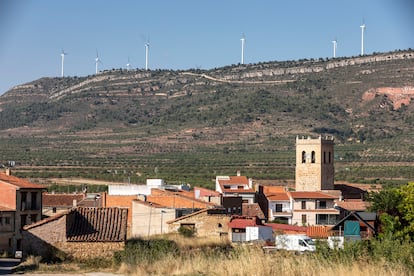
192, 256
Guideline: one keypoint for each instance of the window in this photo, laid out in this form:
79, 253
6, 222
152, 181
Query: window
322, 204
7, 220
23, 197
303, 204
278, 208
329, 158
324, 157
34, 201
303, 157
304, 219
313, 157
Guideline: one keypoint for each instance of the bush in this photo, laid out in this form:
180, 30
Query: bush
138, 251
187, 232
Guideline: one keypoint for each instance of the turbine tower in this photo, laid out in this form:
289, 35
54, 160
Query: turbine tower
243, 40
334, 42
62, 55
362, 38
97, 60
128, 65
146, 54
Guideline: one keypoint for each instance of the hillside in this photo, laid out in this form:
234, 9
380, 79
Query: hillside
190, 125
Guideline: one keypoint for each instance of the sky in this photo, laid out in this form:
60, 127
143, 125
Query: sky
185, 34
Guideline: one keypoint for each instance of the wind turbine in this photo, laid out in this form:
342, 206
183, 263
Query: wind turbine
243, 40
334, 42
146, 54
362, 38
62, 55
97, 60
128, 65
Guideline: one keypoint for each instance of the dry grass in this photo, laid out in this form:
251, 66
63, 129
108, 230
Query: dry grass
250, 260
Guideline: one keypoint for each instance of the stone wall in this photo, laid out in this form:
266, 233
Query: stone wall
215, 225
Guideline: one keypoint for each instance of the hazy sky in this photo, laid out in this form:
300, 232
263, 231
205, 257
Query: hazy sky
187, 34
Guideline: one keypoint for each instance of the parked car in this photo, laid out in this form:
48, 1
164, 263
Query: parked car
298, 243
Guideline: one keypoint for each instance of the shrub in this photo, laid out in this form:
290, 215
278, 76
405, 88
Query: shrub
187, 232
138, 251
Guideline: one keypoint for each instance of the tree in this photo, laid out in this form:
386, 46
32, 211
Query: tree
406, 208
396, 209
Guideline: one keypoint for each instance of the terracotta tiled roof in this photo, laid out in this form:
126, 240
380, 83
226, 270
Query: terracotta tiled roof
61, 200
354, 205
278, 196
206, 192
252, 210
243, 222
19, 182
315, 195
318, 231
176, 200
98, 225
235, 180
287, 228
92, 224
268, 190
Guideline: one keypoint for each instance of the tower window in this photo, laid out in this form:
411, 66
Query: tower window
303, 157
313, 157
324, 157
330, 161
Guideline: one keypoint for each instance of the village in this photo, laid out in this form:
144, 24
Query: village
240, 209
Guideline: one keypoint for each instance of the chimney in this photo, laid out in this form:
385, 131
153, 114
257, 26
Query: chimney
8, 171
74, 203
238, 173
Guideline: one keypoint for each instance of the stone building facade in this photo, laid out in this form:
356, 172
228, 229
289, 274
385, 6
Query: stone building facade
314, 164
206, 223
78, 233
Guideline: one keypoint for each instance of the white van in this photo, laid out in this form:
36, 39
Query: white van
299, 243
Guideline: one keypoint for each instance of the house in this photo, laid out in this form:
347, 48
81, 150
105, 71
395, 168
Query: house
314, 208
347, 206
7, 229
208, 222
207, 195
120, 201
241, 229
177, 199
82, 232
234, 186
357, 226
253, 210
150, 218
57, 203
277, 203
21, 201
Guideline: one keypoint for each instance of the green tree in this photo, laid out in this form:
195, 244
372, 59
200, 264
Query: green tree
406, 207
